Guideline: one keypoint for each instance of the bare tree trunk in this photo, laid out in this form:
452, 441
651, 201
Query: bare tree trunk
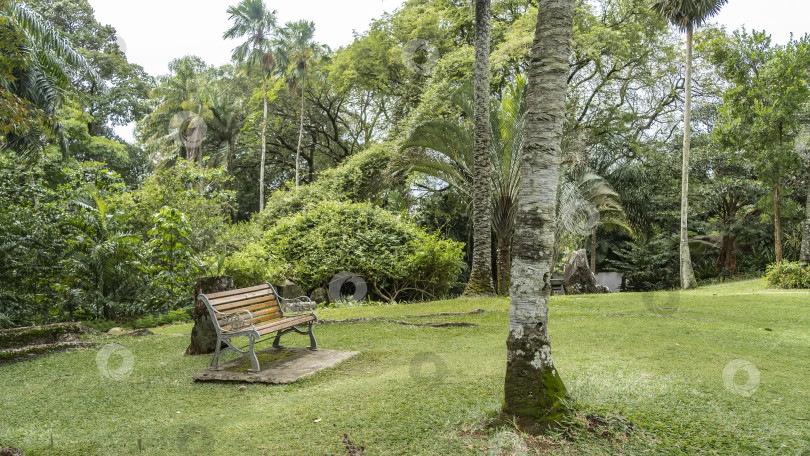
805, 254
533, 389
504, 265
300, 138
687, 272
593, 249
777, 222
727, 259
481, 272
264, 145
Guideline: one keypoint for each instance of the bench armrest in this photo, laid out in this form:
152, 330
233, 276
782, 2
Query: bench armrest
301, 304
234, 321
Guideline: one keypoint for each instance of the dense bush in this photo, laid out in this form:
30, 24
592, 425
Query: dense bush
361, 178
398, 260
788, 274
254, 264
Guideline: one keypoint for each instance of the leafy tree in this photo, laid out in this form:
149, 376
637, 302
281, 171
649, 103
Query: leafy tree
533, 389
296, 52
41, 76
172, 261
103, 255
686, 15
727, 195
118, 96
253, 20
760, 111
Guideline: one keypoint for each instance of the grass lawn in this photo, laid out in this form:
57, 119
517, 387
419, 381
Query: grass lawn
665, 362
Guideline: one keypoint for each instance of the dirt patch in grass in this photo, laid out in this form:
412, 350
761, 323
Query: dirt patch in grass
264, 359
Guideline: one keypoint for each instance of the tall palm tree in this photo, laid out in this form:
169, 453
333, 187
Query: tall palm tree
227, 119
686, 15
533, 390
297, 51
181, 107
481, 272
253, 20
443, 149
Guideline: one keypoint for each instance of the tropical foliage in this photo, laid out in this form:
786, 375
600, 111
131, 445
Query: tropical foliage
383, 130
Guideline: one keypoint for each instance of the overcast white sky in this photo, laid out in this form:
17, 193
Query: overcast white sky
195, 27
184, 27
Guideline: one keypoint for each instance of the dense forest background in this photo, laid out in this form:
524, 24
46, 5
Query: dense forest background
95, 227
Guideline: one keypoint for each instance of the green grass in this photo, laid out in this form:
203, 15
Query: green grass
426, 391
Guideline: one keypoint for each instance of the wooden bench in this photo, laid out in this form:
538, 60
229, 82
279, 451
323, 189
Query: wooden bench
254, 312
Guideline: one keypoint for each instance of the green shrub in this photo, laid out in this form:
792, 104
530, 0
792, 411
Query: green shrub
254, 264
788, 274
359, 179
396, 258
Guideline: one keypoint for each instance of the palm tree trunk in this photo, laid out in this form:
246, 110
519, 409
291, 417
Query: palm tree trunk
533, 389
805, 254
593, 249
264, 144
504, 265
300, 136
687, 272
481, 272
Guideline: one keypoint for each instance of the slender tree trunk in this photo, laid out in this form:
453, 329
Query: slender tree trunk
777, 222
533, 388
687, 273
805, 254
300, 136
481, 272
264, 144
593, 249
504, 264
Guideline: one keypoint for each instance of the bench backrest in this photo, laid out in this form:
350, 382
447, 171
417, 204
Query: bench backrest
260, 300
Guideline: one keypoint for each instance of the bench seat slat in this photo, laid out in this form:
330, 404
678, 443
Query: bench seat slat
241, 297
265, 301
220, 294
283, 323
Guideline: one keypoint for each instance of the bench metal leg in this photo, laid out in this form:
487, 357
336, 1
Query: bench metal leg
277, 339
215, 361
254, 361
313, 344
